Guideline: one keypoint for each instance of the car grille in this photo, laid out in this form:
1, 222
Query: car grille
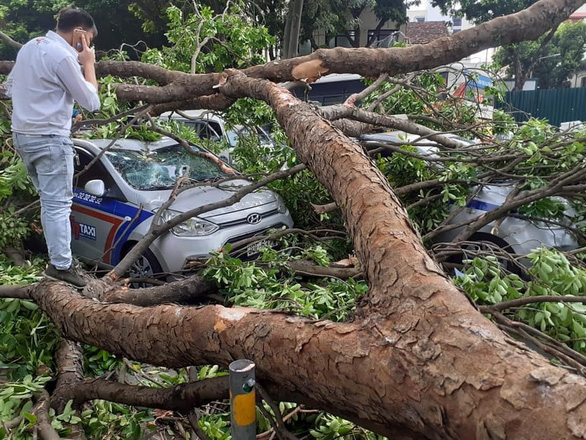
243, 221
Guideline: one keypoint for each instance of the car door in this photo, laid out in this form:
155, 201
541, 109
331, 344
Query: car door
94, 223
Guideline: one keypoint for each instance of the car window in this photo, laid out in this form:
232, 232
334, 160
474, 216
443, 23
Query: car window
234, 135
96, 171
205, 129
160, 169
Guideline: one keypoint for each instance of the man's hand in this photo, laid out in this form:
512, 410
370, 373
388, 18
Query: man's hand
87, 58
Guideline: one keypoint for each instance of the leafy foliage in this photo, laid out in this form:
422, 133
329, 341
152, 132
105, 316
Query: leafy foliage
551, 275
15, 191
481, 11
268, 284
226, 40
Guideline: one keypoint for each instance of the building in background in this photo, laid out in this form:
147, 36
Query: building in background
367, 34
425, 12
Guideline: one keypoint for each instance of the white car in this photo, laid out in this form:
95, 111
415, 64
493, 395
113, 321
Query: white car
210, 125
115, 201
516, 235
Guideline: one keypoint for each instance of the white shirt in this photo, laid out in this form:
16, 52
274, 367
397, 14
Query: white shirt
43, 84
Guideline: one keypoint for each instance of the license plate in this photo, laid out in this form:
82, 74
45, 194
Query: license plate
255, 248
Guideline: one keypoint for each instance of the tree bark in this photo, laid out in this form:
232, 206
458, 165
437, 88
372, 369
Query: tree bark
418, 360
524, 25
464, 379
412, 355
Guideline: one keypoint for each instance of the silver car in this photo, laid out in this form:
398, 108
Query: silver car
211, 126
116, 198
515, 234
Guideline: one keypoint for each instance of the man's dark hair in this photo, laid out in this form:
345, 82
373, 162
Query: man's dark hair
70, 18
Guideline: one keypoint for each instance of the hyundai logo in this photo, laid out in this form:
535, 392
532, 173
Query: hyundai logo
253, 219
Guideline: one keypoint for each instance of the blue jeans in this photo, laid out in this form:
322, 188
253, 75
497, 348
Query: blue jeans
49, 162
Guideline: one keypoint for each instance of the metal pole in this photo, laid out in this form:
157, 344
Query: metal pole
242, 400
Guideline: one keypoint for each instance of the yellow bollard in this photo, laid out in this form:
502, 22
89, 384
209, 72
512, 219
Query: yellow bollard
242, 400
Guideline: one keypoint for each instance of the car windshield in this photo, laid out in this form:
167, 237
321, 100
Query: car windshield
160, 169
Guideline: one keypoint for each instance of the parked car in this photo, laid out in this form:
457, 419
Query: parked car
514, 234
211, 126
425, 147
116, 198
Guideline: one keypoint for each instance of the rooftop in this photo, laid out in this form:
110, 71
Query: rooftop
425, 31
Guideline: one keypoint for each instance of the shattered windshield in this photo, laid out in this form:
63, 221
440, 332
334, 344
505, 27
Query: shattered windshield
160, 169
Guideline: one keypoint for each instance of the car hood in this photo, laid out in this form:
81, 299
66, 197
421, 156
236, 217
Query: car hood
261, 201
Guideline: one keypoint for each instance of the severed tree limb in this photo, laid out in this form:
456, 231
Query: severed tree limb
327, 234
353, 128
193, 417
93, 122
43, 424
192, 290
15, 255
551, 346
9, 41
178, 398
211, 157
271, 431
211, 102
344, 111
309, 268
21, 291
277, 423
530, 300
215, 334
128, 69
324, 209
11, 424
358, 97
69, 360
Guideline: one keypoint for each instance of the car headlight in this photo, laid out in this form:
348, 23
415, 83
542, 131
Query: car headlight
193, 227
281, 207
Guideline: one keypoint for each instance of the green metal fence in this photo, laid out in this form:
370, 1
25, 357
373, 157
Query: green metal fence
556, 105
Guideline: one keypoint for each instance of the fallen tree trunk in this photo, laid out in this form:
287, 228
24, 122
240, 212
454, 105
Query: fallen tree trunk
410, 363
418, 360
464, 380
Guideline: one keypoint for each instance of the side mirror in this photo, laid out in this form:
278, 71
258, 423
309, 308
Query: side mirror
95, 187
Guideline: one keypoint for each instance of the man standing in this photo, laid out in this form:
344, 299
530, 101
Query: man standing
44, 83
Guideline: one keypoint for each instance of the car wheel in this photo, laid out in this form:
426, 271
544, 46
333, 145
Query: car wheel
146, 267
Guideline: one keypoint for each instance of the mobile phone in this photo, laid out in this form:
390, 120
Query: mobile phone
79, 45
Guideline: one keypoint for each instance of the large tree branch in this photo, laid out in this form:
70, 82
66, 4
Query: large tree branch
9, 41
525, 25
192, 290
421, 375
179, 398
